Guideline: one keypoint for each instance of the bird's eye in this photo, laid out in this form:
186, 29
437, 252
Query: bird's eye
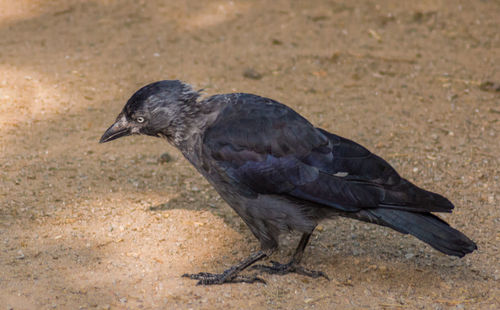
140, 119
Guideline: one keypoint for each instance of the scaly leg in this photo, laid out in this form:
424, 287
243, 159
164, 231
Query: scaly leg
231, 275
293, 265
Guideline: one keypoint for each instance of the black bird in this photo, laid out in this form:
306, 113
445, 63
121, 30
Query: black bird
280, 173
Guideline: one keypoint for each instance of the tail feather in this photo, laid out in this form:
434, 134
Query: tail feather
428, 228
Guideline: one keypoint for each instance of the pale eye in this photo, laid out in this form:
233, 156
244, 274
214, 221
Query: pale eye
140, 119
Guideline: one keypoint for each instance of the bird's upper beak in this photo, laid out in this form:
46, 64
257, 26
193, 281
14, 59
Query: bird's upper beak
120, 128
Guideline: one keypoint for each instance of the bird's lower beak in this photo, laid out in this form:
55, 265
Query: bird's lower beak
119, 129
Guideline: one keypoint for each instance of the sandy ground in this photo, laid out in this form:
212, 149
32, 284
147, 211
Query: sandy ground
86, 226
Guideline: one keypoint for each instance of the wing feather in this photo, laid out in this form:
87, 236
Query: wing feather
270, 149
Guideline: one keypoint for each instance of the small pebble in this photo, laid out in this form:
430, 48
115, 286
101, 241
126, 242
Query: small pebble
490, 86
164, 158
20, 255
252, 74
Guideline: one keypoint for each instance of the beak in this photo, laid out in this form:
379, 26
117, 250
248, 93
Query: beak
119, 129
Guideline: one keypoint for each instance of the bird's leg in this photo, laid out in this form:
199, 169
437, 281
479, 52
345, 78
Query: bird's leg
293, 265
231, 275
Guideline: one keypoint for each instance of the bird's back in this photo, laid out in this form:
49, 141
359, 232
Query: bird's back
261, 125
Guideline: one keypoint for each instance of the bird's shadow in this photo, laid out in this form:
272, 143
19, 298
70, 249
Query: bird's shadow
218, 208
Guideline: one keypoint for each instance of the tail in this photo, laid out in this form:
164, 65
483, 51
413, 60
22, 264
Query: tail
426, 227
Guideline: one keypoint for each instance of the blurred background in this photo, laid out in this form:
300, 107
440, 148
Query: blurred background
92, 226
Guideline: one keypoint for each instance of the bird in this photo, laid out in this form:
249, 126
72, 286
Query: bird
280, 173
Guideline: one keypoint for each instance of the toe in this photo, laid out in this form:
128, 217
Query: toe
310, 273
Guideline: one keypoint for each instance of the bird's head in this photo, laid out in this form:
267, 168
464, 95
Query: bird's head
157, 109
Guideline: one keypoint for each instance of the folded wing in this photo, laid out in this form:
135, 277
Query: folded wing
270, 149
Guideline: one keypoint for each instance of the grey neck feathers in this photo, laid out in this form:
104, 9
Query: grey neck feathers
188, 122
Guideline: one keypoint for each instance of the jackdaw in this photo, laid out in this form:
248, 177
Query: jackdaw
280, 173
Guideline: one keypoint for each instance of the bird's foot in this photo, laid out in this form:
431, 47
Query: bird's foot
206, 278
290, 267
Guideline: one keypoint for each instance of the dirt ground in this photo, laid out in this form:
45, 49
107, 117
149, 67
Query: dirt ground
86, 226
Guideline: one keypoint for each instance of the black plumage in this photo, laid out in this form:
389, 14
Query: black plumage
280, 173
